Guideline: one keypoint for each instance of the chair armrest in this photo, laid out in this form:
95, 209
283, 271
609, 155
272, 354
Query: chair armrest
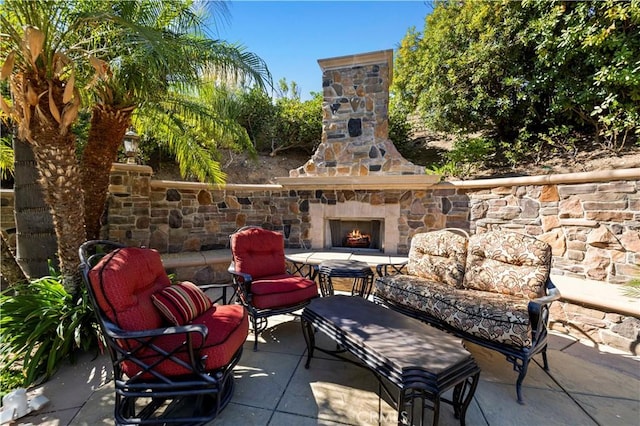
385, 269
242, 283
116, 332
124, 346
539, 311
236, 274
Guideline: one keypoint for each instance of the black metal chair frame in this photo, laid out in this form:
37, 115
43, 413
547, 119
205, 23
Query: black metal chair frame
259, 317
151, 397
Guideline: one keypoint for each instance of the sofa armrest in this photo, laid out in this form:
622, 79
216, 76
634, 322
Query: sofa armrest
385, 269
539, 311
552, 294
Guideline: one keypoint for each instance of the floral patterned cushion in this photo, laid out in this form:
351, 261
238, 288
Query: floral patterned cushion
438, 256
495, 317
507, 263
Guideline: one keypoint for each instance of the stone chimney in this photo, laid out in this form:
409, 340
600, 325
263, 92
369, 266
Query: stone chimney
355, 120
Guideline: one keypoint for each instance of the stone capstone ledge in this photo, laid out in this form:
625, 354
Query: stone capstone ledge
196, 258
558, 179
201, 267
603, 296
597, 313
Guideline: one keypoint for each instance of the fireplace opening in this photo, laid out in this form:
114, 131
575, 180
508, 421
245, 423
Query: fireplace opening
356, 234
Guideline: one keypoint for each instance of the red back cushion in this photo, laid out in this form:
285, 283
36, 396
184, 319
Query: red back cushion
258, 252
123, 282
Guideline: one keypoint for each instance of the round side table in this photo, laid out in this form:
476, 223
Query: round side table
360, 272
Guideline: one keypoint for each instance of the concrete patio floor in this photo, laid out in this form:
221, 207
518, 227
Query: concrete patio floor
585, 386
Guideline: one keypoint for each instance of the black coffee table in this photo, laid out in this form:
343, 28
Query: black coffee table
422, 361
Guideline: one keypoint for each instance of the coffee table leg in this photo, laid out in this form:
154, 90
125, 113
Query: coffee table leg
411, 407
462, 396
310, 338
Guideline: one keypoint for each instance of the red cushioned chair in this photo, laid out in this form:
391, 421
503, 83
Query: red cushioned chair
172, 350
261, 280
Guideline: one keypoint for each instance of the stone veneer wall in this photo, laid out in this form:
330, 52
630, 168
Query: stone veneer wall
593, 227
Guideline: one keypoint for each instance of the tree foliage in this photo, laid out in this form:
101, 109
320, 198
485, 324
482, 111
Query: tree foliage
519, 71
284, 123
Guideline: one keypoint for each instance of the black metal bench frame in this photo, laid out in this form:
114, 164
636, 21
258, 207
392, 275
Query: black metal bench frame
519, 357
419, 388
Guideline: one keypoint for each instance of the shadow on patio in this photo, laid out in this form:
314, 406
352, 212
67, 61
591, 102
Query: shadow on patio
585, 386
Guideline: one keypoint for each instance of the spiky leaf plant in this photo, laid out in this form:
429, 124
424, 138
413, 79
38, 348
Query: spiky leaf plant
41, 326
632, 288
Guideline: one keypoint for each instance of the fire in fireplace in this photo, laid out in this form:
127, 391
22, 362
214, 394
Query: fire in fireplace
357, 239
356, 234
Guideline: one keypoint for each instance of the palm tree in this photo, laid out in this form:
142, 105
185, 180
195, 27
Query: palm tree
47, 42
45, 104
154, 69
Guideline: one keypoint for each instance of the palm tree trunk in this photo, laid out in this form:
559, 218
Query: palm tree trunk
108, 127
61, 180
54, 151
36, 242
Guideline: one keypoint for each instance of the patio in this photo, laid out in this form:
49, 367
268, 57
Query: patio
585, 386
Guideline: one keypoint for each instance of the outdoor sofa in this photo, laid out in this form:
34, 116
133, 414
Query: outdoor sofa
492, 289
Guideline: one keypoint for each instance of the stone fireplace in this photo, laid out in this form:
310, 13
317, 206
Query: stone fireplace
356, 172
331, 222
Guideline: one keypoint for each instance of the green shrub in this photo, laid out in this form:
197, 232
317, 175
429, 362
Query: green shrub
41, 326
469, 154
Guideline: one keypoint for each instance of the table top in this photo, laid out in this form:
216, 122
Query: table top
402, 340
319, 256
344, 268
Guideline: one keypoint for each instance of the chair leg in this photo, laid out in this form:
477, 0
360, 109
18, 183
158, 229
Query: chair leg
523, 373
545, 362
254, 320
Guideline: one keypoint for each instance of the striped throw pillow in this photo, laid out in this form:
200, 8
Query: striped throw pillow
182, 302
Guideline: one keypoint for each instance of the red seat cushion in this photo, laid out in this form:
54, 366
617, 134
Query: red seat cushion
282, 290
258, 252
228, 327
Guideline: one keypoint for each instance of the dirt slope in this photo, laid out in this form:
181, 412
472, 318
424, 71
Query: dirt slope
240, 169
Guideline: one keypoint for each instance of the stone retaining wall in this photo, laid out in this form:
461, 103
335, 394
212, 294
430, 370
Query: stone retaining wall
591, 220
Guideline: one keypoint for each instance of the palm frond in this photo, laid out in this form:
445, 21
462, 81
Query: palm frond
632, 288
6, 157
232, 60
194, 127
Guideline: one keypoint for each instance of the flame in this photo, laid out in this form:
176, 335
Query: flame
357, 234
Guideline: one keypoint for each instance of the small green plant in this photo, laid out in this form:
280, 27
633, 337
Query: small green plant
41, 326
468, 154
446, 170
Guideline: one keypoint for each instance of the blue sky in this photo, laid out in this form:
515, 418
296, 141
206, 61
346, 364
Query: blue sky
292, 35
